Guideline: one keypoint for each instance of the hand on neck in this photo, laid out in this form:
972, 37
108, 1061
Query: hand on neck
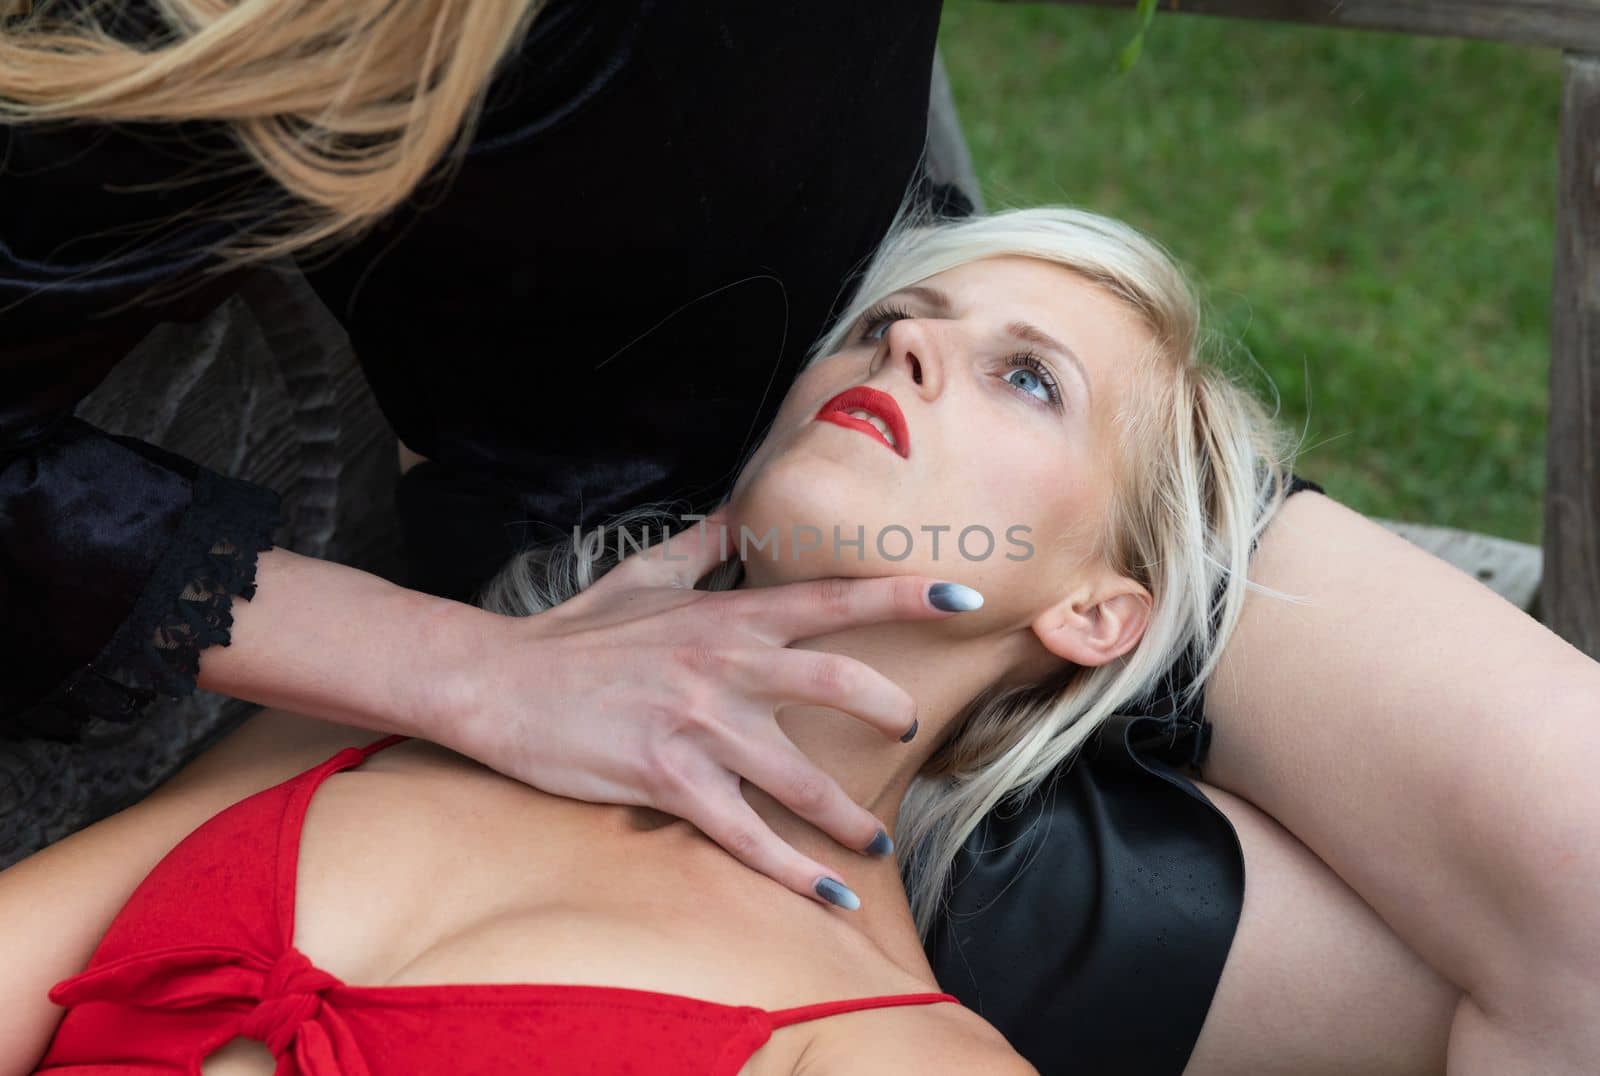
943, 673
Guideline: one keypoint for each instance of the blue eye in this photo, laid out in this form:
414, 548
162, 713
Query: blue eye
1037, 376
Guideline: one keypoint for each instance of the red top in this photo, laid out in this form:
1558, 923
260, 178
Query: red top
202, 953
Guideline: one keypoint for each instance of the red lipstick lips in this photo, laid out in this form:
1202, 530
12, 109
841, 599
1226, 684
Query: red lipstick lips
878, 404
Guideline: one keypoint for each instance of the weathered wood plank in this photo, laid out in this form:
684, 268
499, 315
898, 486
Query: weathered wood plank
1571, 592
1564, 24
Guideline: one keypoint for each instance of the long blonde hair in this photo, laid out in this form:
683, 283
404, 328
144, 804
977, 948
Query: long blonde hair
1200, 469
348, 105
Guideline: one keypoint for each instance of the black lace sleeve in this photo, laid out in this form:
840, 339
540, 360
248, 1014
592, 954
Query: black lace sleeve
178, 539
118, 564
118, 560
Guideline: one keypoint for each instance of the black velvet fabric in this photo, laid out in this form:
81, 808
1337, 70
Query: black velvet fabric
658, 269
90, 261
588, 315
59, 521
605, 305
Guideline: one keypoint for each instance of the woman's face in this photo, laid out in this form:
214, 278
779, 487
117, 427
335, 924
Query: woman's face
1002, 468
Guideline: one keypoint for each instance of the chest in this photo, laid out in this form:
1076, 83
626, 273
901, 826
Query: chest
410, 879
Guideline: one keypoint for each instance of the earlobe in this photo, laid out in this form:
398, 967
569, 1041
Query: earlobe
1094, 631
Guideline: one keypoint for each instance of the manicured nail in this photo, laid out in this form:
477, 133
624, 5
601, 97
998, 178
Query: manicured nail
836, 892
912, 731
954, 598
881, 845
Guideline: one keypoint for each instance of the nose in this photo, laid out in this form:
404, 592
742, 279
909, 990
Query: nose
913, 347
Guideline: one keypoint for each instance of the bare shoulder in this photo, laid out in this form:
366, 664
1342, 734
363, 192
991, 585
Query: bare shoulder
271, 747
267, 749
57, 903
931, 1039
113, 853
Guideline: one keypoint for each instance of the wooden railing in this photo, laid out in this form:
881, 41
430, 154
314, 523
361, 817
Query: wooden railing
1569, 597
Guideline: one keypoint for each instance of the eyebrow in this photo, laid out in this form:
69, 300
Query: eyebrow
940, 303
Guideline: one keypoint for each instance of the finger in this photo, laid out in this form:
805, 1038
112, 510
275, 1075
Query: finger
726, 818
780, 770
681, 560
803, 610
843, 683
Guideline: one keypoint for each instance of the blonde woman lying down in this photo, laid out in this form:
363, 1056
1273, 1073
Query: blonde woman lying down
1422, 866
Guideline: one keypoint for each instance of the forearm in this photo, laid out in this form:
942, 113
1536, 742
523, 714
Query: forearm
344, 645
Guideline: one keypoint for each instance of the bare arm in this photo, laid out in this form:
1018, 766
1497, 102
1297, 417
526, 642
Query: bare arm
1435, 746
56, 905
1315, 984
343, 645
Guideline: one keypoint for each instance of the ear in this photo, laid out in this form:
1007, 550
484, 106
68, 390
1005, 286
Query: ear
1098, 627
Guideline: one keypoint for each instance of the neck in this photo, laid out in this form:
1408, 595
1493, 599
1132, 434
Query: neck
942, 671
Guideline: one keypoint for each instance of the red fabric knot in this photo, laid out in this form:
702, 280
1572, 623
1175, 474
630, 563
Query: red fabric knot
291, 997
281, 1000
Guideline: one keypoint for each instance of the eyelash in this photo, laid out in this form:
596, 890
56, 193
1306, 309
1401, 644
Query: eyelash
883, 313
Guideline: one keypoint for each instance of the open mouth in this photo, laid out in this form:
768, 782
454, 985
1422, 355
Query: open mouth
872, 412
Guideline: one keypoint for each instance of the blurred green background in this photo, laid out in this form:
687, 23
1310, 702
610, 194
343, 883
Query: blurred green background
1371, 215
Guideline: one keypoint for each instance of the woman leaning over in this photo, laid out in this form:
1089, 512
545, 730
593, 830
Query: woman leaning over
1369, 723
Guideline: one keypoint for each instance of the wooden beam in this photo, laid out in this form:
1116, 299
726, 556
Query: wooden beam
1562, 24
1570, 596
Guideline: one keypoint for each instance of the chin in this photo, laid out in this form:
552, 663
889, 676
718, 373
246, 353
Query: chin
803, 502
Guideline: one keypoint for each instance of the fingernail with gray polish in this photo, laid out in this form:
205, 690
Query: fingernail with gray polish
910, 732
881, 845
954, 597
836, 892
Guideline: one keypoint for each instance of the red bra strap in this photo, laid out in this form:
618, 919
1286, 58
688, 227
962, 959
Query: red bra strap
802, 1013
378, 745
292, 824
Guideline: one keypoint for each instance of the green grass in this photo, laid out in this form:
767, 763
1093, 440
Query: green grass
1372, 215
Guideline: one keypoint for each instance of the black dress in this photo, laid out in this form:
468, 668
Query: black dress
654, 222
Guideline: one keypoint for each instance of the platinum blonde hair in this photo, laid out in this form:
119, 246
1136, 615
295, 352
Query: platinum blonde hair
1200, 470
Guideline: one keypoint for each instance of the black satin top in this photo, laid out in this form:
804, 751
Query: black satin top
605, 306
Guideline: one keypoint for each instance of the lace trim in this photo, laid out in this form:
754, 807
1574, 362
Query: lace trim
184, 608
